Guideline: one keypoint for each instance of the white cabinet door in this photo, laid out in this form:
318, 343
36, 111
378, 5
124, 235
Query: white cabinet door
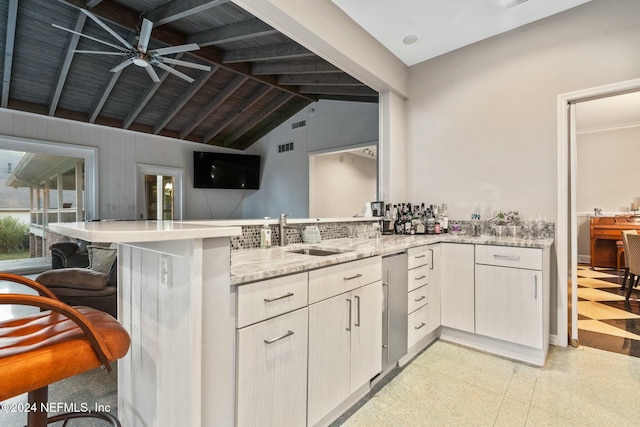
329, 355
366, 334
457, 286
272, 371
433, 290
509, 304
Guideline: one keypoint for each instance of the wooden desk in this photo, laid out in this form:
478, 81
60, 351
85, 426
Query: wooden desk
605, 231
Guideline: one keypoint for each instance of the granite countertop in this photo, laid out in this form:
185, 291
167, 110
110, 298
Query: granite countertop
249, 265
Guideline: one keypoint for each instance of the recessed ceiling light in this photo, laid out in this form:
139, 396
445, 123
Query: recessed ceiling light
410, 39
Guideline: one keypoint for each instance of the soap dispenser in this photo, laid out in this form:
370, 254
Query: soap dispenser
265, 234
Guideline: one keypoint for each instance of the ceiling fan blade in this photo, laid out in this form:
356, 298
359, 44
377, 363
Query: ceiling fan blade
175, 72
152, 74
91, 38
100, 52
122, 65
145, 35
175, 49
107, 29
185, 63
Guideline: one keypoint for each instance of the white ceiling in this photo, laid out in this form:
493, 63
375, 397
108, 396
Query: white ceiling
444, 25
608, 113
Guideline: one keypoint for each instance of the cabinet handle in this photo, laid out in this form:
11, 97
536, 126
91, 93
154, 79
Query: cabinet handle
287, 295
421, 277
420, 326
507, 257
349, 326
535, 286
357, 311
353, 277
388, 278
431, 266
419, 299
420, 256
271, 341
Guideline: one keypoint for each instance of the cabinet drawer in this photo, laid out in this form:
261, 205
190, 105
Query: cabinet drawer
418, 277
419, 256
336, 279
417, 298
508, 256
262, 300
417, 328
272, 371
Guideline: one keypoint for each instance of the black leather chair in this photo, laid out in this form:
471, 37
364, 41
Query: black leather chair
68, 255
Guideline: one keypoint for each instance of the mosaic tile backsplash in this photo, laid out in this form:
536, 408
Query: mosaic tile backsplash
250, 237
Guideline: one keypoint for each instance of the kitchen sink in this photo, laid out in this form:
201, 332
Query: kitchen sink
315, 252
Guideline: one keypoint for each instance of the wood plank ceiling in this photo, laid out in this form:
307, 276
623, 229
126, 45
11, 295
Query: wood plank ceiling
259, 78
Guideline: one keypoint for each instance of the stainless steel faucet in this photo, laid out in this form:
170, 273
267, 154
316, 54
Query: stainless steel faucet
283, 226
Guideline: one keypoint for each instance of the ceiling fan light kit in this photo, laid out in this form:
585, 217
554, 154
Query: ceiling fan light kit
140, 55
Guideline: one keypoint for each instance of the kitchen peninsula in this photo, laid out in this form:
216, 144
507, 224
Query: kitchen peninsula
202, 316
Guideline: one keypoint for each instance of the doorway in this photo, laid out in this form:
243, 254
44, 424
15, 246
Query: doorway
567, 227
159, 192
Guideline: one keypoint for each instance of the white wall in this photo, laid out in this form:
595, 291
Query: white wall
482, 119
284, 184
607, 176
344, 183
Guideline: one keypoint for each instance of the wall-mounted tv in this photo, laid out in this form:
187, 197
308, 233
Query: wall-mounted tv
224, 170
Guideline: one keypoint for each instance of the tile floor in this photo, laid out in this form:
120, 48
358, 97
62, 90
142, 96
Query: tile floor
449, 385
605, 319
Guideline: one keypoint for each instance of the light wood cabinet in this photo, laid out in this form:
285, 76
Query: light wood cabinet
509, 300
457, 286
345, 335
272, 371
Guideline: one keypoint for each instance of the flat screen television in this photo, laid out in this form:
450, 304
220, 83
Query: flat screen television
225, 170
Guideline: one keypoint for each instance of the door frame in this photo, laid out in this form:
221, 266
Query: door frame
143, 169
566, 224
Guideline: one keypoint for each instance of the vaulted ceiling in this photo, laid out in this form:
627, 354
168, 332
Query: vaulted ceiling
258, 77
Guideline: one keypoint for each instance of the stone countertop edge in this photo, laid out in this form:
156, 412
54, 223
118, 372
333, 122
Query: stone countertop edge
251, 265
141, 231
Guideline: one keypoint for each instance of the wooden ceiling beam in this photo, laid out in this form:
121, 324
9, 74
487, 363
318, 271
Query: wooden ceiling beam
178, 9
146, 96
12, 16
331, 79
182, 100
266, 53
294, 66
280, 100
214, 103
66, 64
247, 29
246, 104
350, 98
338, 90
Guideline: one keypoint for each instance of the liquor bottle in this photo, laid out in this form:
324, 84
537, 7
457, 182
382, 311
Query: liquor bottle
421, 227
407, 220
387, 221
399, 225
444, 225
431, 222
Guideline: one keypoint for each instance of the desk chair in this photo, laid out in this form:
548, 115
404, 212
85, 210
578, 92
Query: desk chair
633, 246
58, 342
625, 252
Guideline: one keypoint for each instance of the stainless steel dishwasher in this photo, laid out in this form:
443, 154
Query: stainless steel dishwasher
394, 309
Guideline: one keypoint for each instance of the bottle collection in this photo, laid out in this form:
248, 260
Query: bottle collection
405, 218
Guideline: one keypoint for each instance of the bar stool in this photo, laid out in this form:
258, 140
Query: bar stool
58, 342
625, 252
633, 247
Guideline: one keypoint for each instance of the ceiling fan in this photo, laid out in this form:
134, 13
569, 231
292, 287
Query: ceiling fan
140, 55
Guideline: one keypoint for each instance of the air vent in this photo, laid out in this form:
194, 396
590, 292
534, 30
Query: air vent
283, 148
299, 124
